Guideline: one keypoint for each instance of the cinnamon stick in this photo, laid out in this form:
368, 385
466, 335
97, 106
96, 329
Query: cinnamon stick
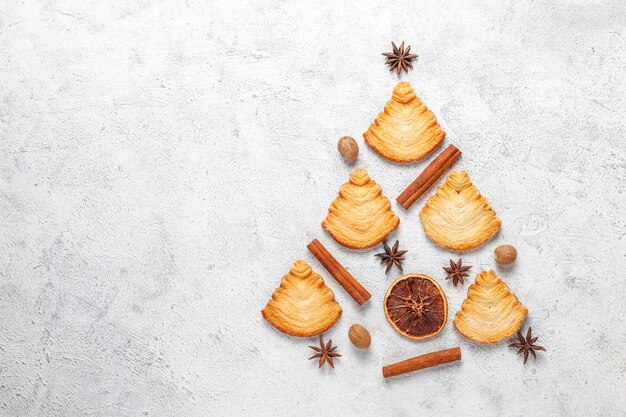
427, 178
423, 361
347, 281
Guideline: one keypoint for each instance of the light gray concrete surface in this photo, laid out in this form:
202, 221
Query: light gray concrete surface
163, 163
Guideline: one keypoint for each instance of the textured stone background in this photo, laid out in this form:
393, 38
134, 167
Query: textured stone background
163, 163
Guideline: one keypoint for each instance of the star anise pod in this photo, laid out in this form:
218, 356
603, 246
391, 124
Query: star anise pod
456, 271
527, 345
400, 59
326, 352
392, 256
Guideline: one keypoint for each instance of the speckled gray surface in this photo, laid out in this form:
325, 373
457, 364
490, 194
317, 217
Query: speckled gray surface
162, 164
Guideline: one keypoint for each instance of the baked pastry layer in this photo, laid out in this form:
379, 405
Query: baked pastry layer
360, 217
491, 312
302, 305
457, 217
406, 130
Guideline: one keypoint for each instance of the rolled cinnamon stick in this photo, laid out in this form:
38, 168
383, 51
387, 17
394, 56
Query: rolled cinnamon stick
423, 361
347, 281
427, 178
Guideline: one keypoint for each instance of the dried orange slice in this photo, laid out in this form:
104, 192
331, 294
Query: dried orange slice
416, 306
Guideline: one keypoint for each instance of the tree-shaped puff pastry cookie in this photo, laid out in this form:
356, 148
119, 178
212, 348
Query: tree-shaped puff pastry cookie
302, 305
406, 130
490, 312
360, 217
457, 217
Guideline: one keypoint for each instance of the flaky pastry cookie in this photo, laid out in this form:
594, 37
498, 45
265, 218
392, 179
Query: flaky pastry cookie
490, 312
302, 305
457, 217
406, 130
360, 217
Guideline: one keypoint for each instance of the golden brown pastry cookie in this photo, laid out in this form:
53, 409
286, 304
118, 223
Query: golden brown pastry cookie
303, 305
457, 217
490, 312
406, 130
361, 216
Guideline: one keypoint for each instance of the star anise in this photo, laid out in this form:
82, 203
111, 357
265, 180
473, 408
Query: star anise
527, 345
456, 271
326, 352
392, 256
400, 59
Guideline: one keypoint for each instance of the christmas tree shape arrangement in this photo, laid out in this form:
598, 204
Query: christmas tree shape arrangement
360, 217
491, 312
406, 130
457, 217
302, 305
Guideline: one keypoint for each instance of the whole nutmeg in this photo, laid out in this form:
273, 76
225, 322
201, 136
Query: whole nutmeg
359, 336
348, 148
505, 254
